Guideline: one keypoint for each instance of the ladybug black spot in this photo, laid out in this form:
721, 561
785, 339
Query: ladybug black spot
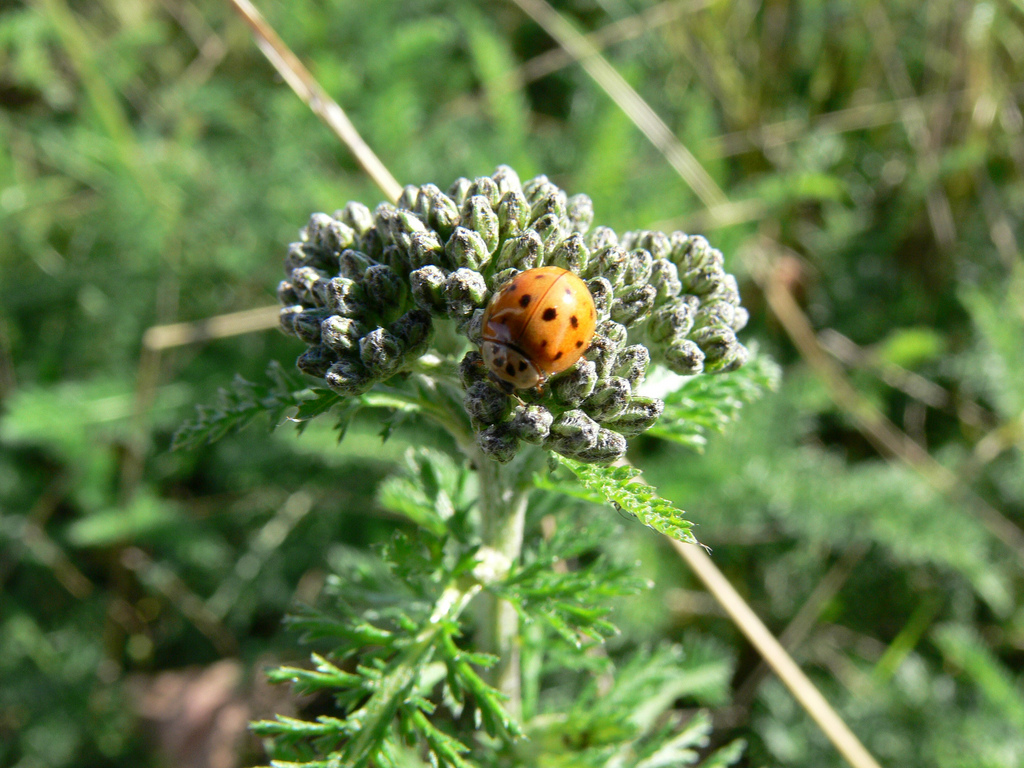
539, 277
525, 299
568, 291
574, 321
549, 314
558, 355
543, 343
578, 344
522, 365
510, 369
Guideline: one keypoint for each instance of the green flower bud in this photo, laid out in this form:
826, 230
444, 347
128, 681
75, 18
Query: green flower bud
410, 193
740, 319
499, 442
348, 377
343, 296
396, 259
702, 280
576, 384
580, 212
353, 264
459, 190
384, 290
603, 294
531, 423
572, 432
609, 337
549, 228
608, 447
638, 269
425, 249
672, 320
507, 180
297, 257
610, 400
479, 216
553, 203
414, 331
679, 244
307, 325
665, 277
403, 225
428, 288
341, 334
637, 417
735, 357
609, 263
357, 216
718, 344
464, 291
540, 187
327, 235
685, 358
725, 290
602, 352
571, 254
472, 369
713, 314
695, 252
438, 210
372, 244
472, 327
498, 279
486, 403
656, 243
381, 352
631, 364
534, 188
634, 306
308, 283
513, 214
601, 238
287, 316
485, 186
466, 248
522, 253
286, 294
315, 361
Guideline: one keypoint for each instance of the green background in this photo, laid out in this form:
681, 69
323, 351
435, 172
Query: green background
153, 169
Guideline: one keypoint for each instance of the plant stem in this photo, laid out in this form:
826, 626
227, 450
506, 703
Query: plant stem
503, 512
502, 504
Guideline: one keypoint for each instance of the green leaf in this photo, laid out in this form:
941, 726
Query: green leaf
326, 676
495, 718
619, 487
433, 492
705, 404
447, 749
244, 401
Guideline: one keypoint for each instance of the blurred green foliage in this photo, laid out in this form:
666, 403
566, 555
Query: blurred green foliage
153, 169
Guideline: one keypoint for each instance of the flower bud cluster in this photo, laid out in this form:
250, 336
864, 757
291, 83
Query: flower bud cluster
364, 289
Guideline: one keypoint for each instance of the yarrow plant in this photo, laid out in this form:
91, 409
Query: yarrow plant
364, 291
462, 617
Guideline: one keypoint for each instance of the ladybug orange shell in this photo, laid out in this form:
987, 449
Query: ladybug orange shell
538, 324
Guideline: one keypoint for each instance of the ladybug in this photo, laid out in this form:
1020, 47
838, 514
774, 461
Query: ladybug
538, 324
